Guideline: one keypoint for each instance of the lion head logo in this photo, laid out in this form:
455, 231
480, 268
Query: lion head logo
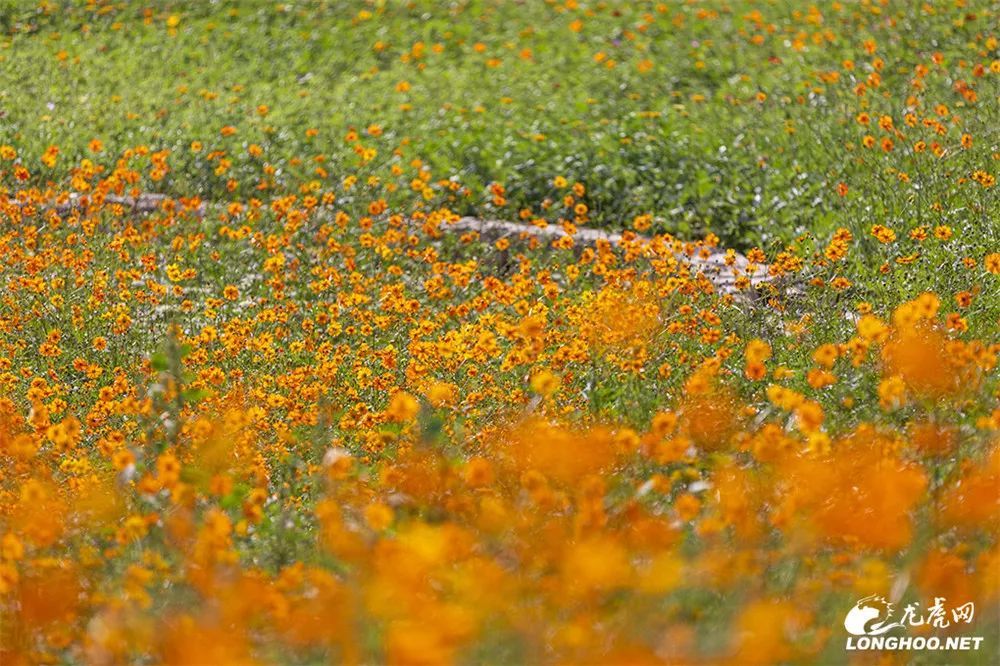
870, 617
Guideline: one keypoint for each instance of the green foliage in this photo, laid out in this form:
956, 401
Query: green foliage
686, 140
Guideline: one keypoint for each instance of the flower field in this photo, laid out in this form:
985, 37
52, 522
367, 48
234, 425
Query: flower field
270, 393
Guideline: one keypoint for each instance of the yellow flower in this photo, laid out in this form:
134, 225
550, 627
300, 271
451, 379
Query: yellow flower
378, 516
403, 407
757, 351
883, 234
544, 383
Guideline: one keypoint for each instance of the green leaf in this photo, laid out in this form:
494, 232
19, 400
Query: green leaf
159, 362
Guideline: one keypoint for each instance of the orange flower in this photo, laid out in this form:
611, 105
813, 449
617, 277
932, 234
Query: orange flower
544, 383
402, 408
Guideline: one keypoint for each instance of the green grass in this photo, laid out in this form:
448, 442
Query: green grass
751, 172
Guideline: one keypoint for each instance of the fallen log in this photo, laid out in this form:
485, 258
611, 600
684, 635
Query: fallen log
724, 269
